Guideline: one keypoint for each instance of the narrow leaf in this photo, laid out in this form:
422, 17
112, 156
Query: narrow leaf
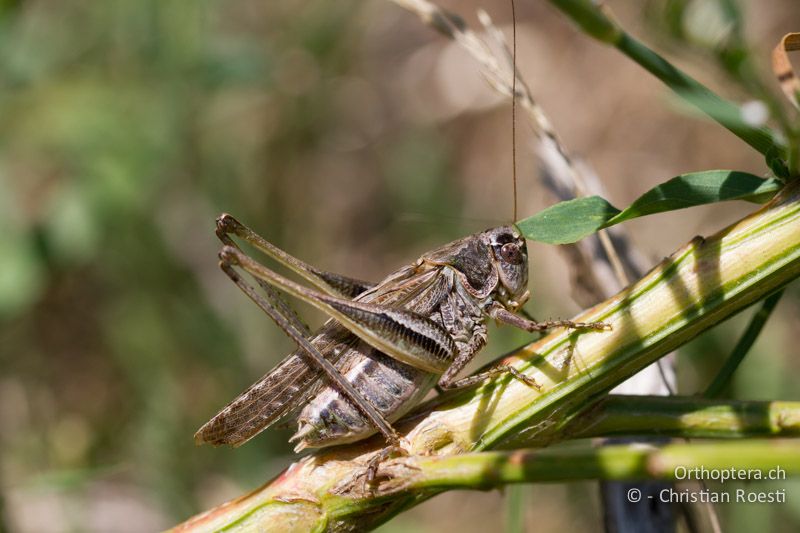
698, 188
571, 221
746, 342
596, 21
568, 222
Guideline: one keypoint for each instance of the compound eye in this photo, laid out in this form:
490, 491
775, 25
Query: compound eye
504, 238
510, 253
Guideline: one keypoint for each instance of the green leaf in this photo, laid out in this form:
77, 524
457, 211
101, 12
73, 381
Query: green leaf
776, 163
569, 221
594, 21
698, 188
746, 341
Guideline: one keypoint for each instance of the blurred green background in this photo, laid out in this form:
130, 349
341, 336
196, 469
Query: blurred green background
353, 137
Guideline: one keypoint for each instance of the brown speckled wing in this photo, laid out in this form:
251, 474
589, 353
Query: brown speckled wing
268, 399
286, 386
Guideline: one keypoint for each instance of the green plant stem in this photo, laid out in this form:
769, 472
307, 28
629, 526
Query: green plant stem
596, 23
681, 416
746, 341
701, 284
488, 470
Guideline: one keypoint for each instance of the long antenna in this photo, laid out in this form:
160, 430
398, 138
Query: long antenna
514, 105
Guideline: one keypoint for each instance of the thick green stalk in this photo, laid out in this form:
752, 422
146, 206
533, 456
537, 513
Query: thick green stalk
703, 283
681, 416
743, 460
595, 22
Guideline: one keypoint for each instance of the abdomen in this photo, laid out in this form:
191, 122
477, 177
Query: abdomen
392, 387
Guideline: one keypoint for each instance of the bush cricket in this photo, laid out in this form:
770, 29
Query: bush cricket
386, 344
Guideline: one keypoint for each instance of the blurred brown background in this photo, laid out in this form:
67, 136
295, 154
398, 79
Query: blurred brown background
350, 135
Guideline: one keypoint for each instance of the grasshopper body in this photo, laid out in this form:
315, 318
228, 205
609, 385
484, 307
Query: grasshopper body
452, 287
385, 346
